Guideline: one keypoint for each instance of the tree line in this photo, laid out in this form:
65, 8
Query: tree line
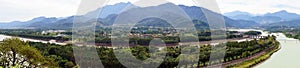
13, 51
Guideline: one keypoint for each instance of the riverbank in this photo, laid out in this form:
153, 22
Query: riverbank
256, 59
286, 57
265, 56
109, 45
2, 37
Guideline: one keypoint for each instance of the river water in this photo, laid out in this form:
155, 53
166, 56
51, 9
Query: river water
287, 57
2, 37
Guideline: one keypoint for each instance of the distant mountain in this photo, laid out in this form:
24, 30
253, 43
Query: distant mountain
196, 13
268, 18
275, 17
65, 23
27, 24
154, 22
238, 15
235, 13
10, 25
41, 23
292, 23
110, 13
288, 20
284, 15
248, 23
111, 9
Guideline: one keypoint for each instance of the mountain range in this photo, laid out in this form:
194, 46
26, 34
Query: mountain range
109, 14
269, 19
238, 15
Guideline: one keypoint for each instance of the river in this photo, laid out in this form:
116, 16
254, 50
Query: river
215, 42
286, 57
2, 37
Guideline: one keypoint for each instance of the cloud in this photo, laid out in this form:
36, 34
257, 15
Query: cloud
283, 6
22, 10
185, 2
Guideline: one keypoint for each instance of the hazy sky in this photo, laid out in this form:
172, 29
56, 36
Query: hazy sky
22, 10
259, 6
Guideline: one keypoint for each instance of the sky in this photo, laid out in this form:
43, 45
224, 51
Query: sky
23, 10
259, 6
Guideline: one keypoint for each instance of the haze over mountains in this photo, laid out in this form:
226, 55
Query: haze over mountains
109, 13
280, 18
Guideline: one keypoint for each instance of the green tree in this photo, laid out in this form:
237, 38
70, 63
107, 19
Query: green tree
14, 52
69, 64
253, 33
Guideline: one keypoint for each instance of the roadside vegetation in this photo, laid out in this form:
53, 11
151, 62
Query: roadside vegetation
266, 54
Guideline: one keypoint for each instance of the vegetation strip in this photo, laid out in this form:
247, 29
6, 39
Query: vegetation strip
257, 60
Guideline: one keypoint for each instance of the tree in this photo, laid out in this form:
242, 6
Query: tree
14, 52
69, 64
253, 33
